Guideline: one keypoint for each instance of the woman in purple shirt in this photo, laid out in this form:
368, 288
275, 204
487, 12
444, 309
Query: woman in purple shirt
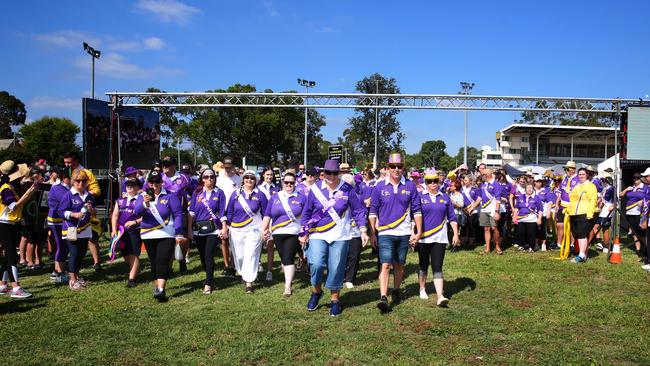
124, 217
245, 209
207, 218
437, 211
283, 216
162, 227
527, 215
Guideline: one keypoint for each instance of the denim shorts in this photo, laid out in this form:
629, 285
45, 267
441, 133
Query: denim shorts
393, 248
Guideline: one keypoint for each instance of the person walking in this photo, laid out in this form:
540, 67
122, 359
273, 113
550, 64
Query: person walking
126, 221
491, 191
582, 205
268, 187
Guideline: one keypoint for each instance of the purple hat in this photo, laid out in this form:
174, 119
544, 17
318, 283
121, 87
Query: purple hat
130, 170
395, 158
331, 165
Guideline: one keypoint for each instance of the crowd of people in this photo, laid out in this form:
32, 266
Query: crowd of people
319, 219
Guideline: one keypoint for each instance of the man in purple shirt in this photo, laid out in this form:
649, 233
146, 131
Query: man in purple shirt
491, 193
394, 201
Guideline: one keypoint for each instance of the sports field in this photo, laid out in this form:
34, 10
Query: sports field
518, 308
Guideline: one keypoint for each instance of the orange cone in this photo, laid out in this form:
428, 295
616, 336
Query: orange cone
615, 257
142, 248
576, 247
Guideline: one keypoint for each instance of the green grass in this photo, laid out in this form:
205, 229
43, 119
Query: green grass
512, 309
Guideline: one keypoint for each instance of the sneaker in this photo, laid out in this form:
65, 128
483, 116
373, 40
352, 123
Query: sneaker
269, 276
37, 266
76, 286
131, 283
82, 281
159, 294
605, 250
382, 305
4, 289
543, 247
515, 245
646, 267
249, 289
312, 304
423, 294
19, 293
578, 259
599, 246
97, 267
443, 301
396, 296
335, 308
54, 275
349, 285
61, 279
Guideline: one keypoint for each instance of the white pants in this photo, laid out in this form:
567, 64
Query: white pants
246, 247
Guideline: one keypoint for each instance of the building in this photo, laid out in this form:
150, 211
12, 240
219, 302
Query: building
522, 144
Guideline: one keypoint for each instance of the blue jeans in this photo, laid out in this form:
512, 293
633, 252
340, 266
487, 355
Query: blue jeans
77, 251
331, 256
393, 248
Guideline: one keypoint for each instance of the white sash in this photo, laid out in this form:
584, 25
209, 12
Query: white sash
285, 204
207, 207
244, 204
156, 215
323, 201
469, 197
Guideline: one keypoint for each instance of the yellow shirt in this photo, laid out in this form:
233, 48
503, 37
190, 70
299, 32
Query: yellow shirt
583, 199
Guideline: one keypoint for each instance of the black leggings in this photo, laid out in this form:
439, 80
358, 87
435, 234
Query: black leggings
160, 253
206, 245
10, 237
354, 255
433, 253
526, 234
77, 249
288, 246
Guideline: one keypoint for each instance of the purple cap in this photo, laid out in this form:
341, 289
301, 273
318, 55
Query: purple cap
130, 170
395, 158
331, 165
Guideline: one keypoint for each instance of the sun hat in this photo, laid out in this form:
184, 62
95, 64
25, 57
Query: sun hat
570, 164
130, 170
14, 171
331, 165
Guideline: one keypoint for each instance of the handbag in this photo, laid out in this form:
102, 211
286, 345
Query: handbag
71, 235
461, 219
205, 227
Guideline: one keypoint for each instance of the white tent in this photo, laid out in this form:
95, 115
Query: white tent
609, 163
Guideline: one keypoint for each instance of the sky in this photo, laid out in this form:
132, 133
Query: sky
551, 48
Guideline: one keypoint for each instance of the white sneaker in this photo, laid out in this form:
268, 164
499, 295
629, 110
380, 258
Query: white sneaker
269, 276
423, 294
515, 245
19, 293
543, 247
443, 301
605, 250
599, 246
646, 267
349, 285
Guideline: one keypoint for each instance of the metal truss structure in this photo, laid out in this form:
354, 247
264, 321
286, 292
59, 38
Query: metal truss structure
370, 101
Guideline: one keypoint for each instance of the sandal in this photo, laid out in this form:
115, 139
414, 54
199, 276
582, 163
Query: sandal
207, 291
485, 252
499, 252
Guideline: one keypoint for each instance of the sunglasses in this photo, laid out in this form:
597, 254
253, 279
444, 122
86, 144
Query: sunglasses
81, 180
208, 177
394, 167
330, 172
249, 178
429, 181
155, 182
289, 182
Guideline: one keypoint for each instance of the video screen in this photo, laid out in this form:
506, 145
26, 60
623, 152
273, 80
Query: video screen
139, 129
638, 133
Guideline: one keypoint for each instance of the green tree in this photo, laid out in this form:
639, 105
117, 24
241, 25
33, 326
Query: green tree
566, 118
359, 136
171, 120
12, 113
49, 138
473, 154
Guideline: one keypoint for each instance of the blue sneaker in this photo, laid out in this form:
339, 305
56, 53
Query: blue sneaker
335, 308
578, 259
312, 304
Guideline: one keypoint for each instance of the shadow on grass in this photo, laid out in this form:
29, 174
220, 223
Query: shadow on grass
22, 305
451, 288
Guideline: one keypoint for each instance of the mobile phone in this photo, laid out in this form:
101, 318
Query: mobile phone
150, 192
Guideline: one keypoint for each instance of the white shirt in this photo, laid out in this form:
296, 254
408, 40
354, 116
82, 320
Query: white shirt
228, 184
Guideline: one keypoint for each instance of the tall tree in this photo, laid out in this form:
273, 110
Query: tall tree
171, 119
360, 134
49, 138
567, 118
12, 113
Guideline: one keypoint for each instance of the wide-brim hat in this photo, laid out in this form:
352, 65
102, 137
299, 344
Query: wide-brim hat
395, 159
9, 167
538, 177
570, 164
431, 174
590, 168
250, 173
646, 173
606, 175
130, 170
331, 165
345, 167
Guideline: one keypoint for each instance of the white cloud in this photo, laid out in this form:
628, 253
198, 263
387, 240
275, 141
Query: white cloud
124, 46
168, 11
270, 8
68, 39
114, 65
153, 43
54, 103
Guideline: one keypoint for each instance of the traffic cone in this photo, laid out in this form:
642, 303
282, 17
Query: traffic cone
615, 257
142, 248
576, 247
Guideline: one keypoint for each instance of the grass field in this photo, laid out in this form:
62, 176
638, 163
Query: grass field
513, 309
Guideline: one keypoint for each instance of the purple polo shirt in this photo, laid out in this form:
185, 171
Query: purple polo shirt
436, 212
529, 207
170, 209
393, 206
216, 200
346, 204
491, 192
567, 185
635, 197
281, 223
71, 202
54, 197
237, 216
126, 209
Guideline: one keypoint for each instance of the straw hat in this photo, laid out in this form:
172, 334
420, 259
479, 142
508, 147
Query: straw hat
570, 164
14, 171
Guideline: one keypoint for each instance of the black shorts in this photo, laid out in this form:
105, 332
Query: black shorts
132, 243
36, 236
604, 222
559, 216
579, 226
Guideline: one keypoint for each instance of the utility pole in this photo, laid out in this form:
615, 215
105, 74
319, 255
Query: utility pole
466, 89
307, 84
95, 54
